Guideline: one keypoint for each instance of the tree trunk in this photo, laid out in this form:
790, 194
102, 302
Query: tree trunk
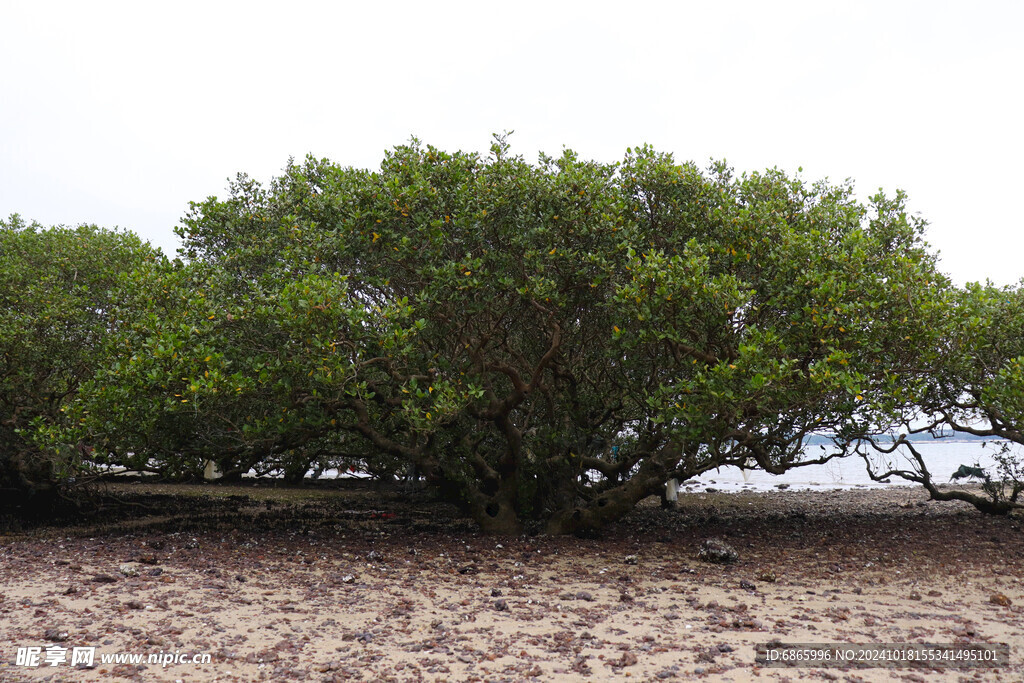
498, 513
610, 506
498, 519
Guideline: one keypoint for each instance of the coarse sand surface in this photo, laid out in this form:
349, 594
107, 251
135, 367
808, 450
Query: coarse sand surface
365, 584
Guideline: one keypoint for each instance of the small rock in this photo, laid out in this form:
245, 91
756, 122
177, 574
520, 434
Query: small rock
625, 597
747, 585
934, 593
501, 605
1000, 599
134, 604
631, 559
584, 595
716, 551
348, 578
55, 635
782, 487
128, 570
768, 576
914, 596
103, 578
495, 592
627, 659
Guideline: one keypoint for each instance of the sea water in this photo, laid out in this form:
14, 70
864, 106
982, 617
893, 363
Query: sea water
941, 457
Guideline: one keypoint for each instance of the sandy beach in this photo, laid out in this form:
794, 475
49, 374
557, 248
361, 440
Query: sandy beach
300, 585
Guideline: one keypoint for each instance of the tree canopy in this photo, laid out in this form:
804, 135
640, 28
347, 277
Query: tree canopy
62, 294
547, 343
975, 386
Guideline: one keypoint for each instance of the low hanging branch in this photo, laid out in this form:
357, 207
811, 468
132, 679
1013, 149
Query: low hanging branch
993, 504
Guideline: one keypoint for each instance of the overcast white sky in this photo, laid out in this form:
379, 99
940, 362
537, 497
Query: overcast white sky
121, 113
